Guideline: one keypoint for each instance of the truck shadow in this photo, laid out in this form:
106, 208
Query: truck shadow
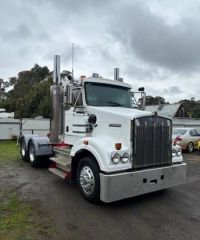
138, 200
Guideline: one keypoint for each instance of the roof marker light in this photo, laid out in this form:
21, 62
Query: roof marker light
85, 142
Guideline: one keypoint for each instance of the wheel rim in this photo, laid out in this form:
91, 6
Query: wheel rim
190, 147
23, 149
87, 180
31, 153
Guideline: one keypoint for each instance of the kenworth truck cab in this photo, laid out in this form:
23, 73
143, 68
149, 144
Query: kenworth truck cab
111, 149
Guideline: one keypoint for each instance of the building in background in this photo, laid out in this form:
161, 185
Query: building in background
11, 128
178, 114
170, 110
4, 114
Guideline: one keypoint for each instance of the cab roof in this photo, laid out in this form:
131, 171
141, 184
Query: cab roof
107, 81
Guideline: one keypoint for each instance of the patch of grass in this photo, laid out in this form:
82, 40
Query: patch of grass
9, 152
21, 220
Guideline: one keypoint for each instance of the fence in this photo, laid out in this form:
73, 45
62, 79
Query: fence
187, 122
11, 128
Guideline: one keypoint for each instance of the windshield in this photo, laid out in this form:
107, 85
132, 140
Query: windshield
179, 131
99, 94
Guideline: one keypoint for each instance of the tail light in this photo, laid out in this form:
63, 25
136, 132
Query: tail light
177, 140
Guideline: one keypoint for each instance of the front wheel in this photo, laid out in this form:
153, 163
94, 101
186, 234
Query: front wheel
88, 179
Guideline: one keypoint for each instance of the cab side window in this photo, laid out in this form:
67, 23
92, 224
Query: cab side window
77, 97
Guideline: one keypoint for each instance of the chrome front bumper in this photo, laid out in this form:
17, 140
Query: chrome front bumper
129, 184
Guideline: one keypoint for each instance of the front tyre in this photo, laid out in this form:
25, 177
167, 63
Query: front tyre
88, 179
34, 160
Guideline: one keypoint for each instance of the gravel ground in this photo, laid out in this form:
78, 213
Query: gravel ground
168, 214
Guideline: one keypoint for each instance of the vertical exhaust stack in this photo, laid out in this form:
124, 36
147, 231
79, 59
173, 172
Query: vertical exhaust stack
56, 72
56, 121
116, 74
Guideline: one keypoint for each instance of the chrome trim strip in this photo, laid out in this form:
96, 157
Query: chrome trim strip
115, 125
81, 125
80, 132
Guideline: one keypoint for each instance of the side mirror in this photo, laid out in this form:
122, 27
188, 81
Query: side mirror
92, 119
141, 89
143, 98
141, 103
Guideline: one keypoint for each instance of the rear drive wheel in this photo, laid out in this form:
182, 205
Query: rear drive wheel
23, 151
34, 160
190, 147
88, 179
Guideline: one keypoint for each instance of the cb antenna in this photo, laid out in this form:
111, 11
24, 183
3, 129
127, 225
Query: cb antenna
72, 60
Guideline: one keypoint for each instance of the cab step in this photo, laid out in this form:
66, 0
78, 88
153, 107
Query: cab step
60, 173
63, 151
62, 162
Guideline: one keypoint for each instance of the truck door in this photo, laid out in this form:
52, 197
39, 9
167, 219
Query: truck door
80, 117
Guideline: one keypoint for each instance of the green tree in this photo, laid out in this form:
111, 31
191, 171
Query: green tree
191, 107
30, 94
155, 100
12, 81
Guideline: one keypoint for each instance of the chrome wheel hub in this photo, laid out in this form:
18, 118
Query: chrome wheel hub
87, 180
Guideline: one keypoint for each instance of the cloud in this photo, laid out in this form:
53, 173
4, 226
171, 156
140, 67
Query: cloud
154, 43
172, 90
174, 47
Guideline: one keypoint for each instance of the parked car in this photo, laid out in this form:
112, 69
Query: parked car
199, 145
187, 138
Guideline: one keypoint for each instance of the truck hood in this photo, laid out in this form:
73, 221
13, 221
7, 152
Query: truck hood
120, 112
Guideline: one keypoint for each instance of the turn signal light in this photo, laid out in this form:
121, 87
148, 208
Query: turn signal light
118, 146
85, 142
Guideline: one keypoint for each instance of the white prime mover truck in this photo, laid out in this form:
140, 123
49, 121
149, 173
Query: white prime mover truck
111, 149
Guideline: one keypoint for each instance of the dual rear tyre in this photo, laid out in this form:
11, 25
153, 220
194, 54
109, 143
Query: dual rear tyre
29, 155
34, 160
23, 151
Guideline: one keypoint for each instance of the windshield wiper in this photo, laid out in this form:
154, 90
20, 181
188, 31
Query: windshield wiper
115, 104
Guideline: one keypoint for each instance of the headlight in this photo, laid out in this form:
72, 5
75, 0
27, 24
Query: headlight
176, 151
173, 152
125, 157
179, 152
122, 157
116, 158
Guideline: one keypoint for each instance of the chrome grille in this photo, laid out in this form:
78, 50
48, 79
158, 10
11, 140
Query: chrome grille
151, 139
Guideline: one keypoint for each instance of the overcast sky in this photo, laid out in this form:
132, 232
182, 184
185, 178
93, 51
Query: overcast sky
156, 44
